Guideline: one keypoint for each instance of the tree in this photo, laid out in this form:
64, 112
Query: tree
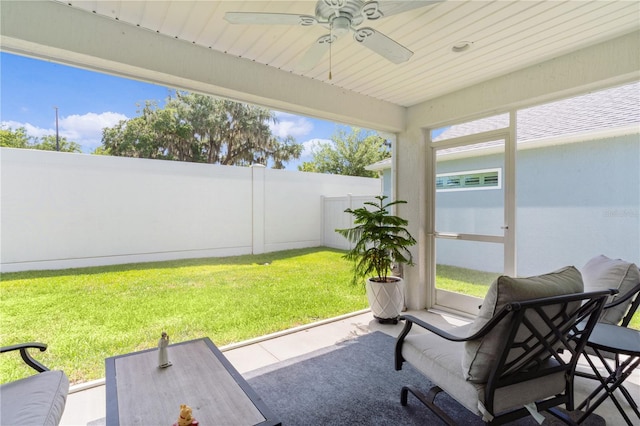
137, 137
199, 128
348, 154
19, 139
48, 143
14, 138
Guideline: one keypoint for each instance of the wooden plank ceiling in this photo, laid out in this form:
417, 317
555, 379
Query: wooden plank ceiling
504, 36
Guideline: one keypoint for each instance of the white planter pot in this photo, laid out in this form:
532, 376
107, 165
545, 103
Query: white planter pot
386, 299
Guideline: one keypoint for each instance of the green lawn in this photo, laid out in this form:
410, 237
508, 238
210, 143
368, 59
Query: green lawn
465, 281
86, 315
476, 283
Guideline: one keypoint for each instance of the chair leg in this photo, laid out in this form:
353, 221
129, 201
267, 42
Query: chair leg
428, 400
562, 416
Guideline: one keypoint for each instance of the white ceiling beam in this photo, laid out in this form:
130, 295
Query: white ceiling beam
54, 31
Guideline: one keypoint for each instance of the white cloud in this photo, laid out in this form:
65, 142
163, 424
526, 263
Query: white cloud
29, 128
291, 125
85, 129
309, 147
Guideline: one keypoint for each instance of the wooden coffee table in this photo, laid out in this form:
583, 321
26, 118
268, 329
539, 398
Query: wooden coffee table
140, 393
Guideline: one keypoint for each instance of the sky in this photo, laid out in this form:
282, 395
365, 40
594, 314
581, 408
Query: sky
87, 101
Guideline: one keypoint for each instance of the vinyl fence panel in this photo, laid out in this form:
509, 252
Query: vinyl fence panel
62, 210
334, 218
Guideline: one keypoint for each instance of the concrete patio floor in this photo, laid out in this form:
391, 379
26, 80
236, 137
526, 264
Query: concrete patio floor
86, 402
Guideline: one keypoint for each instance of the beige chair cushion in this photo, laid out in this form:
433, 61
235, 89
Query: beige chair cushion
481, 354
602, 273
36, 400
439, 360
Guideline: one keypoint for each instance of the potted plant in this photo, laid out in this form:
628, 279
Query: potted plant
380, 240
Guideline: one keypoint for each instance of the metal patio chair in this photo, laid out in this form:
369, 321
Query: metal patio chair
35, 400
508, 364
617, 349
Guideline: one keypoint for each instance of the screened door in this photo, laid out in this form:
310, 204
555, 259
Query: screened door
471, 229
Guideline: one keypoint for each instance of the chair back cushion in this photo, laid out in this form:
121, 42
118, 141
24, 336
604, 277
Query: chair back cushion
602, 273
480, 355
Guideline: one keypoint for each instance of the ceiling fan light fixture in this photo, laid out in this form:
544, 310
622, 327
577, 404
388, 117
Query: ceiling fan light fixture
461, 46
340, 25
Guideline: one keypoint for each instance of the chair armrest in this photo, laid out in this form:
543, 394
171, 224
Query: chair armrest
633, 294
634, 291
410, 320
26, 357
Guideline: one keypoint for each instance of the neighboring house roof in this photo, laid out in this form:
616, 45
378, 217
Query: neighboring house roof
618, 107
380, 165
596, 115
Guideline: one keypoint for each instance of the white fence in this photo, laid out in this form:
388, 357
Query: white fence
334, 217
60, 210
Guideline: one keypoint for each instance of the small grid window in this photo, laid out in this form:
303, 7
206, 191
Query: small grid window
466, 181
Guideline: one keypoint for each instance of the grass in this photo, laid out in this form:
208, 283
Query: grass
466, 281
476, 283
86, 315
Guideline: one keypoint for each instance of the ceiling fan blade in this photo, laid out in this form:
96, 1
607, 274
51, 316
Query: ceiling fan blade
377, 9
382, 45
315, 53
252, 18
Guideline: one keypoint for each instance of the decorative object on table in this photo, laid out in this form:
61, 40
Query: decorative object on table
163, 357
380, 242
185, 418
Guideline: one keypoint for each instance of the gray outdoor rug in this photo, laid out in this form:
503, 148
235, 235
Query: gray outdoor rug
354, 383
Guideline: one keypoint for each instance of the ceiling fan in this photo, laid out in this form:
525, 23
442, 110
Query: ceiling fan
340, 17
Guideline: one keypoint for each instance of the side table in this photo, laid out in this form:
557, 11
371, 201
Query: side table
608, 341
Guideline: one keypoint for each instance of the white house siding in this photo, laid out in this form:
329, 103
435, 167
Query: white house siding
61, 210
387, 180
574, 201
452, 208
470, 212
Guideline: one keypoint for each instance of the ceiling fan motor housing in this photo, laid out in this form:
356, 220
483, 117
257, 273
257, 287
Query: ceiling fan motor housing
341, 15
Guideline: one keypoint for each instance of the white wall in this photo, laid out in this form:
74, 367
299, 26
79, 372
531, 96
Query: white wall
61, 210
